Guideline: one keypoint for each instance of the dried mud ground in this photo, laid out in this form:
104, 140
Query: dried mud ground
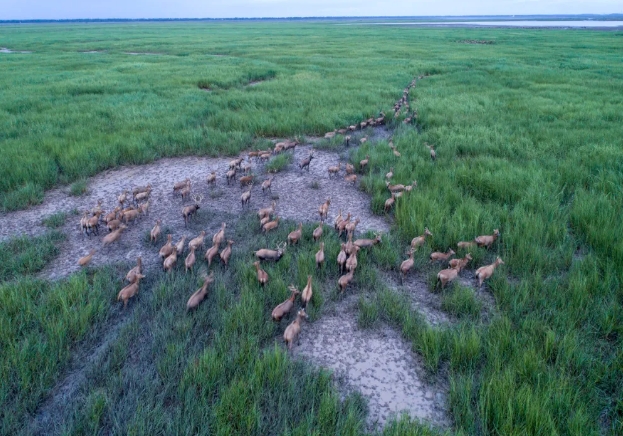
297, 193
378, 363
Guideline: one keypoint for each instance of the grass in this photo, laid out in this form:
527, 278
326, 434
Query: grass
27, 255
527, 134
78, 188
55, 220
279, 163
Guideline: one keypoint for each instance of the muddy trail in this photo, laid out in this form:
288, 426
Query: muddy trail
298, 193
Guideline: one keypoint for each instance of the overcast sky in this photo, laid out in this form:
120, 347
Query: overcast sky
59, 9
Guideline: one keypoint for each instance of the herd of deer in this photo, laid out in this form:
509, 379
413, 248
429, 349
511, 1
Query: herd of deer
131, 208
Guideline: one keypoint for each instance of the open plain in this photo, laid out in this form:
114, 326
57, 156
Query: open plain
526, 128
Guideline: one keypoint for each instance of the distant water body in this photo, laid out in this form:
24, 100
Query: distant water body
585, 23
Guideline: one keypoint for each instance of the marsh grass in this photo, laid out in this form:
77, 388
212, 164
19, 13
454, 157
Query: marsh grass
55, 220
27, 255
78, 188
279, 163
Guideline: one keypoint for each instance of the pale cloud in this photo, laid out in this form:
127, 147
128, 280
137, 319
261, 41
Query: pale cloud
59, 9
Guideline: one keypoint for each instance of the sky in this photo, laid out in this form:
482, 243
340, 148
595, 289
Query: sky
72, 9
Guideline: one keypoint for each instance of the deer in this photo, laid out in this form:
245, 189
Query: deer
122, 198
347, 140
460, 263
292, 331
364, 163
350, 169
180, 185
141, 189
219, 236
230, 175
433, 155
170, 261
143, 195
189, 211
189, 262
487, 240
271, 225
406, 265
345, 280
338, 219
284, 308
129, 291
198, 241
334, 170
167, 248
305, 162
134, 272
211, 179
93, 223
351, 262
262, 276
341, 258
366, 243
245, 198
198, 296
484, 272
348, 247
212, 251
180, 245
323, 209
389, 203
320, 256
306, 295
267, 211
351, 178
295, 236
390, 174
155, 232
437, 256
112, 215
446, 276
317, 234
351, 226
114, 236
418, 241
274, 255
235, 163
266, 185
342, 224
245, 181
226, 253
185, 191
85, 260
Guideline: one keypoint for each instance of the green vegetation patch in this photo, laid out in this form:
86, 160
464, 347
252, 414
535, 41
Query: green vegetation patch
27, 255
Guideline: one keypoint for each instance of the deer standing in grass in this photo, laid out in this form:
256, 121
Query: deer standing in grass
196, 298
484, 272
291, 333
129, 291
262, 276
284, 308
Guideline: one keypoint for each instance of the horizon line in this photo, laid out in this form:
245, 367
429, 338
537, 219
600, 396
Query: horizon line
34, 20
